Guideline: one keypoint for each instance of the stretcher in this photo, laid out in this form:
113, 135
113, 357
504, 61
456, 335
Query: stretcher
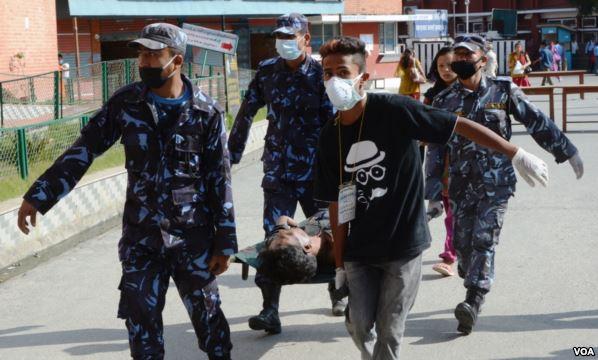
248, 257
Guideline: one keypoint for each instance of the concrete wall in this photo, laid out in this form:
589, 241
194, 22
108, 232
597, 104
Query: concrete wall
28, 28
87, 207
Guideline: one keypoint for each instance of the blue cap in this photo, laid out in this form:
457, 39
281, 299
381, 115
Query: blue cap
470, 42
291, 24
160, 36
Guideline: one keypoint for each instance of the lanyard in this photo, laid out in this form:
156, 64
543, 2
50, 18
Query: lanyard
340, 147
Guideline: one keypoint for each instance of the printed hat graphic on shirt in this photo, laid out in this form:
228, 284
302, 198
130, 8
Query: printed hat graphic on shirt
362, 155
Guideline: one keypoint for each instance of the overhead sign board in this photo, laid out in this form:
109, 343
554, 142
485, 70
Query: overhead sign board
435, 27
209, 39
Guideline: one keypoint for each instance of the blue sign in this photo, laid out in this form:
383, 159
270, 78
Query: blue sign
435, 28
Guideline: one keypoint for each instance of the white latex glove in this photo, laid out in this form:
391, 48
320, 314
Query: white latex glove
577, 165
435, 209
340, 278
530, 167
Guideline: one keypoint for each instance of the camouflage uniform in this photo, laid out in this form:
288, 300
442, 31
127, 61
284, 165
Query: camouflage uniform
178, 210
297, 109
481, 180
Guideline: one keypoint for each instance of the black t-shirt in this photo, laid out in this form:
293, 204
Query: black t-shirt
390, 221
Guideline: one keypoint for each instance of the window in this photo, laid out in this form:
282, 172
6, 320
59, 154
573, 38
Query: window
588, 22
478, 27
461, 28
572, 22
388, 38
320, 33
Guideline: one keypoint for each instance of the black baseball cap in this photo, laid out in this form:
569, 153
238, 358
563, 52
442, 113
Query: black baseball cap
160, 36
470, 42
291, 24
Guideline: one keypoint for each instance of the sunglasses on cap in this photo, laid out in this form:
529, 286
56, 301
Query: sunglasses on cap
470, 38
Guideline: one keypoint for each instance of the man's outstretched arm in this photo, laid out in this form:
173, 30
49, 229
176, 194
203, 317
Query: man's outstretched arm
529, 166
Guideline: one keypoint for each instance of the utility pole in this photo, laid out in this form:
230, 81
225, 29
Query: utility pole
454, 19
467, 16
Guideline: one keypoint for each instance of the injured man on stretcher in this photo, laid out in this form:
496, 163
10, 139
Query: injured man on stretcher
295, 253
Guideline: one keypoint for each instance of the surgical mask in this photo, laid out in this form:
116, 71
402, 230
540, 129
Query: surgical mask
152, 76
288, 49
465, 69
342, 92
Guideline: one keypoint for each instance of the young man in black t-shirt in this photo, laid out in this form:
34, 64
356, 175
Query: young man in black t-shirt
369, 171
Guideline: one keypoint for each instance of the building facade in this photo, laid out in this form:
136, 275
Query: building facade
376, 22
28, 42
104, 27
530, 15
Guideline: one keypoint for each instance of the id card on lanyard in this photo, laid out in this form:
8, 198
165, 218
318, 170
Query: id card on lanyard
347, 191
347, 195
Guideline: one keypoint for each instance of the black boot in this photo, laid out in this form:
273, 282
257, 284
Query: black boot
467, 311
268, 319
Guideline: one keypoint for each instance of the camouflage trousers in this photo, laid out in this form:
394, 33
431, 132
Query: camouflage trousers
476, 229
283, 201
146, 273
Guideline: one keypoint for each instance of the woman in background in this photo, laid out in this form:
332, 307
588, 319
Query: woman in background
411, 73
519, 76
443, 76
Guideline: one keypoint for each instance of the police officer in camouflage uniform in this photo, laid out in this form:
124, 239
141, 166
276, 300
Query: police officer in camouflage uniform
481, 181
292, 88
178, 219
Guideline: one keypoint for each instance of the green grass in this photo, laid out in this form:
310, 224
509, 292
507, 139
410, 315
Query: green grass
62, 136
259, 116
14, 187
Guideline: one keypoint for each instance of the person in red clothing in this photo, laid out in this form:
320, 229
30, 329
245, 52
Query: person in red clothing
519, 71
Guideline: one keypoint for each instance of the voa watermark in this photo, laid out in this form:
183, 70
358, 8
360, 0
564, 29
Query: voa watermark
584, 351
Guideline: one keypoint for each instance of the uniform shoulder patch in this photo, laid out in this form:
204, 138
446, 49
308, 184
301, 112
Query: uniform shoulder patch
268, 62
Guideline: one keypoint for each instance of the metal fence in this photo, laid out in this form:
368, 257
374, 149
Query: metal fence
33, 145
34, 99
41, 116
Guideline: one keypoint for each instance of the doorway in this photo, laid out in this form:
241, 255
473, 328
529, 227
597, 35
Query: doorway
116, 50
263, 46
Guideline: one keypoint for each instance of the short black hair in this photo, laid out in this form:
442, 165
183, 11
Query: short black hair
59, 55
346, 45
287, 265
544, 43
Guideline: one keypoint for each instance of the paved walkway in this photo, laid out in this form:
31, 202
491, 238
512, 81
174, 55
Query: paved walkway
542, 305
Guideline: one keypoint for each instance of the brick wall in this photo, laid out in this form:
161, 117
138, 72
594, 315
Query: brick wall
376, 68
373, 7
28, 28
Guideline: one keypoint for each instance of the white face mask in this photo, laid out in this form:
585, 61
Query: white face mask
342, 92
288, 49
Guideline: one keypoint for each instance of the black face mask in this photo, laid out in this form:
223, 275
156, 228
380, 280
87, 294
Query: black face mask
152, 76
465, 69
